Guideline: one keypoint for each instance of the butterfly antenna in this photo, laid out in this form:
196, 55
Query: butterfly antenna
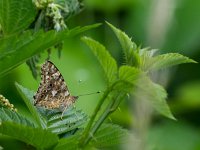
90, 93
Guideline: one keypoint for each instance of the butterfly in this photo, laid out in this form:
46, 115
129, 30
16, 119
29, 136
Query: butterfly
53, 92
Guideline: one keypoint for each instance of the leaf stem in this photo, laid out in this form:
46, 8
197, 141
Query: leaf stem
112, 106
89, 125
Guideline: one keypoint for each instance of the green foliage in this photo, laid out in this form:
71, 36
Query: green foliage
168, 60
47, 123
16, 15
45, 129
129, 48
72, 120
28, 45
37, 137
107, 62
146, 57
11, 116
19, 42
131, 78
70, 143
27, 96
110, 136
155, 94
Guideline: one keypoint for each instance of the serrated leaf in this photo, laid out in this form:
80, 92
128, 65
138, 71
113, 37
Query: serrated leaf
11, 116
109, 135
129, 74
72, 119
70, 143
155, 94
128, 46
16, 15
27, 96
146, 56
128, 77
29, 45
168, 60
34, 136
32, 63
105, 59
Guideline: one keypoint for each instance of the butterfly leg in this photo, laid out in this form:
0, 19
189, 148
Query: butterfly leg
63, 112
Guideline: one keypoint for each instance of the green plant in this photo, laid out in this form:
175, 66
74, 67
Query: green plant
20, 43
71, 132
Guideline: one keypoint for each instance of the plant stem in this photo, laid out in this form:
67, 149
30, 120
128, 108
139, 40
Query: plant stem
110, 109
112, 106
86, 136
89, 125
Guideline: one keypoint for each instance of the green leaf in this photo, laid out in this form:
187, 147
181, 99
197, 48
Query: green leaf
70, 143
155, 94
129, 74
16, 50
105, 59
27, 96
109, 136
146, 56
11, 116
32, 63
72, 119
129, 47
16, 15
34, 136
168, 60
128, 78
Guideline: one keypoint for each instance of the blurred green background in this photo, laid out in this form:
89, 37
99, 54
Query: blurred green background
168, 25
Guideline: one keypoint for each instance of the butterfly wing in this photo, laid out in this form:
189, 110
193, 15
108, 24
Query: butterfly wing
52, 92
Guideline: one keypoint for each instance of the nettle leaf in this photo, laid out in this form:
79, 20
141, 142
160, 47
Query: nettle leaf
72, 119
146, 89
129, 74
32, 64
107, 62
110, 136
168, 60
146, 57
29, 45
129, 47
155, 94
16, 15
128, 78
27, 96
36, 137
70, 143
7, 115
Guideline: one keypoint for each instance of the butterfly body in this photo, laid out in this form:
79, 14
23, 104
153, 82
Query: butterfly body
53, 92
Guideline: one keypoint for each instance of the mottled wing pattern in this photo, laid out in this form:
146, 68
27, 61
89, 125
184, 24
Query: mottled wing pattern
52, 92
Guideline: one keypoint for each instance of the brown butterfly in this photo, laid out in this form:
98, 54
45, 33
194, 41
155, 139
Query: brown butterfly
53, 92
